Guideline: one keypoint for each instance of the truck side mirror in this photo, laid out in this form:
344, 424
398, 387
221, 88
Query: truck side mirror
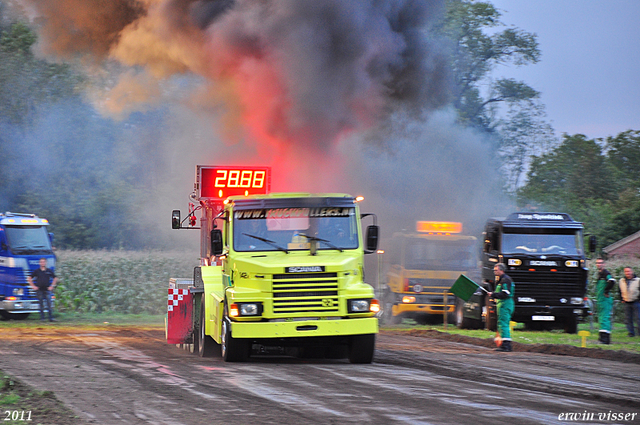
592, 243
216, 242
51, 238
373, 232
175, 219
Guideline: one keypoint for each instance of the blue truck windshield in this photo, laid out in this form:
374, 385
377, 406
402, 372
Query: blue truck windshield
294, 229
542, 244
28, 239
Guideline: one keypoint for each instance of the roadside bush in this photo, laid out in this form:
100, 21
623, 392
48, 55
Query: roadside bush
119, 281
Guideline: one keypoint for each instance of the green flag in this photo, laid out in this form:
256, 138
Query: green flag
464, 287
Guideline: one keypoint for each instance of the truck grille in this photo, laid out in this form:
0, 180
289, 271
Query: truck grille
305, 293
547, 287
432, 290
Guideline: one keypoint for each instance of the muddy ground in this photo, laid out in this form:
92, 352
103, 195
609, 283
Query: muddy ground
129, 375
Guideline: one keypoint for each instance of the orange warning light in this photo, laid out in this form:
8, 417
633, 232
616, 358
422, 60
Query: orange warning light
438, 227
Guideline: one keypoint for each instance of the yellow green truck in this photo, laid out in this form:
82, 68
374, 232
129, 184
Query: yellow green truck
422, 266
280, 272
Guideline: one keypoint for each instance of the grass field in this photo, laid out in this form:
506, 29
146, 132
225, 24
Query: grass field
619, 338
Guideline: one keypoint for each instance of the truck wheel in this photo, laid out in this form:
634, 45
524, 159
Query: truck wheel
571, 325
361, 348
207, 347
461, 321
15, 316
387, 315
492, 322
233, 350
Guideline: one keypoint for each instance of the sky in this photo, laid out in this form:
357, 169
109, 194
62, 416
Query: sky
589, 72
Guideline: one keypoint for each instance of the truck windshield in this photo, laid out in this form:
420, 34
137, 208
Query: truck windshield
425, 254
28, 239
285, 228
543, 244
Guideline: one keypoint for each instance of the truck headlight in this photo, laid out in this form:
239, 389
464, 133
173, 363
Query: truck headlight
576, 300
408, 299
359, 306
571, 263
18, 291
245, 309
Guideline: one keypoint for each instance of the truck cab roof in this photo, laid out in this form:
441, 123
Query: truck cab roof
20, 219
537, 220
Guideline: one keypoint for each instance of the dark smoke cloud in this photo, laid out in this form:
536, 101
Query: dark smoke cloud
303, 73
68, 27
336, 95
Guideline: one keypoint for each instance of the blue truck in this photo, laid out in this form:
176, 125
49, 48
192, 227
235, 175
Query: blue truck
24, 240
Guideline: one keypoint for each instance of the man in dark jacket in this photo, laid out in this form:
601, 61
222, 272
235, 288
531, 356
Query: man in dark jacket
503, 294
45, 281
604, 285
630, 294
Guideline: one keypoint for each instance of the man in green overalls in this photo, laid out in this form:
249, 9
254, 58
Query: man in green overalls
604, 285
503, 294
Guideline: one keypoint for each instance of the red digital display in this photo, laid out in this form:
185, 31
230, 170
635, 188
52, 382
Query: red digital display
221, 182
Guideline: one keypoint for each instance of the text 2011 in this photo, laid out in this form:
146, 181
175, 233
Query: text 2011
17, 415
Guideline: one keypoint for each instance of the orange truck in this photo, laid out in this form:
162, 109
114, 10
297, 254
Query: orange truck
422, 266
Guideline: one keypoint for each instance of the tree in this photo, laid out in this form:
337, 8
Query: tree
523, 134
25, 81
475, 54
594, 181
576, 171
510, 110
624, 153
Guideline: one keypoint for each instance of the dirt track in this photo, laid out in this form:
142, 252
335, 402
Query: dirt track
131, 376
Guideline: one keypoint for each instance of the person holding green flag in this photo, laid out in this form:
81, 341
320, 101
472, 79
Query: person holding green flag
505, 289
604, 285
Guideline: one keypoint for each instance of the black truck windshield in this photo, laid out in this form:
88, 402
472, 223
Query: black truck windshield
294, 229
424, 254
543, 244
28, 239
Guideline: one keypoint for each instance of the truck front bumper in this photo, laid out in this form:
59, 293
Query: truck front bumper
21, 306
305, 328
399, 309
547, 313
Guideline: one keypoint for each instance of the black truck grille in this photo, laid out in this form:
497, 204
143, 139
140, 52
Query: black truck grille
305, 293
547, 287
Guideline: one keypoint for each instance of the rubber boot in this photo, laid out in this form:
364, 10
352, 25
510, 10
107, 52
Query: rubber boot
601, 335
607, 338
505, 346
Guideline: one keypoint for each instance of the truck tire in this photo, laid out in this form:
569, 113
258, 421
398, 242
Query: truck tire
492, 322
361, 348
233, 350
206, 346
461, 321
15, 316
571, 325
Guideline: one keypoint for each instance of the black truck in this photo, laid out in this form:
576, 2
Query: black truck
545, 256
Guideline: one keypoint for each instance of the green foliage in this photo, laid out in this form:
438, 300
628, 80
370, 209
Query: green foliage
593, 180
477, 51
508, 109
25, 81
119, 281
18, 39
